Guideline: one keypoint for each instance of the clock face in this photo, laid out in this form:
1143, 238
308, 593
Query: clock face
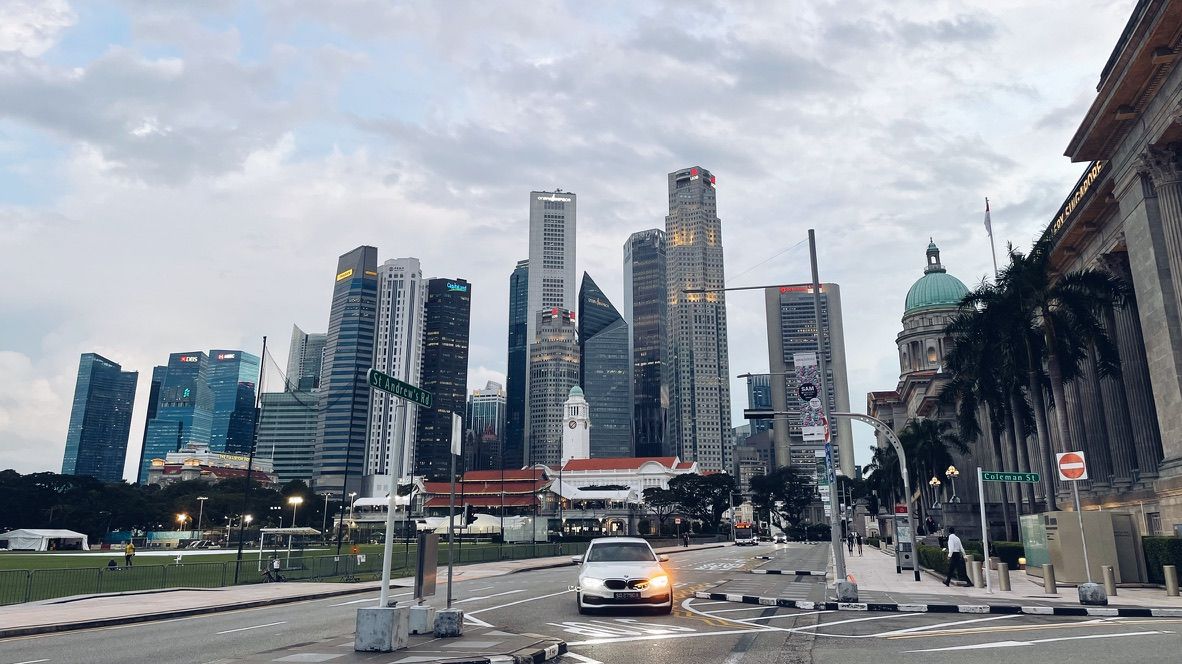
573, 424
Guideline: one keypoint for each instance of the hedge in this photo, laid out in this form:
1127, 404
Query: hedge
872, 541
933, 558
1009, 552
1161, 551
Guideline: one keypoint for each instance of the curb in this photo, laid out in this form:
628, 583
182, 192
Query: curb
545, 651
1129, 612
179, 613
787, 572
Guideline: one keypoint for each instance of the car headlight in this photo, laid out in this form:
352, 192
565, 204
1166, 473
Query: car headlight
659, 582
590, 583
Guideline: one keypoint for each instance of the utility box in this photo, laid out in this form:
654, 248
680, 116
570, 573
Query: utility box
1055, 538
904, 556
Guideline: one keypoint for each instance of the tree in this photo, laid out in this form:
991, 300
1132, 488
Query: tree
785, 493
661, 502
704, 497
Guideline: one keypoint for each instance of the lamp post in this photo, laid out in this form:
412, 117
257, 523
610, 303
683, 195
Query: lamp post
952, 473
278, 509
352, 499
200, 513
295, 502
180, 520
935, 484
324, 518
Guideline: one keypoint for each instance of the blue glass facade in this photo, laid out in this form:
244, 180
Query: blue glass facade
233, 376
100, 420
605, 370
518, 370
184, 408
343, 422
445, 373
153, 400
759, 397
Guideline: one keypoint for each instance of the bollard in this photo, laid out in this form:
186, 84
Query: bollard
1171, 573
1048, 580
1003, 576
979, 573
1109, 579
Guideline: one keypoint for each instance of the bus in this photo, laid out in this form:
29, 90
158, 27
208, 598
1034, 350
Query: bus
745, 534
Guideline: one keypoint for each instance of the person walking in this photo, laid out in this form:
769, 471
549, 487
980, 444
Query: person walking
858, 539
849, 542
955, 557
685, 539
128, 553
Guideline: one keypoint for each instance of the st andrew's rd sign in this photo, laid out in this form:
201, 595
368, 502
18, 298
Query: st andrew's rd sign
995, 476
386, 383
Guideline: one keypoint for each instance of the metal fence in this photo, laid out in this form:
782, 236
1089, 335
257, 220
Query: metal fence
17, 586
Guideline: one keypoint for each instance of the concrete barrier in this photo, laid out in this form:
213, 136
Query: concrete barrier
1171, 573
1003, 576
1048, 580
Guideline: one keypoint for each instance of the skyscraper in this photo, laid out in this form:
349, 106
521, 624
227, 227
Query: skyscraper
517, 375
759, 397
304, 359
445, 373
551, 254
184, 411
233, 376
158, 373
343, 418
553, 370
486, 420
699, 421
605, 370
791, 329
645, 310
100, 420
398, 352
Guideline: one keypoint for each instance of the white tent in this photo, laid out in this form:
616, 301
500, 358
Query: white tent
27, 539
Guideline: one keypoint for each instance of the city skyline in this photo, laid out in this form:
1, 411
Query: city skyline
133, 180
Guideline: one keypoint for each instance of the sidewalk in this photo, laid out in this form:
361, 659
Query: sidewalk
874, 572
89, 611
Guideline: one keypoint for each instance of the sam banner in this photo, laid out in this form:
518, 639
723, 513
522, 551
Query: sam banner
812, 422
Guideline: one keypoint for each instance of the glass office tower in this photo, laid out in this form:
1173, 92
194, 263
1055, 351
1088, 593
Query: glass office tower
184, 410
605, 371
233, 376
445, 373
100, 420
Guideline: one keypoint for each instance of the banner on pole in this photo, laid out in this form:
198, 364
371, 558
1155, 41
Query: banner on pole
457, 434
808, 380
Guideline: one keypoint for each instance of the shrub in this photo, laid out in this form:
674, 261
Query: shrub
872, 541
1161, 551
1009, 552
933, 558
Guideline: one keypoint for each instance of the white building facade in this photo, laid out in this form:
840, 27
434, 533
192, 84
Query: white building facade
576, 426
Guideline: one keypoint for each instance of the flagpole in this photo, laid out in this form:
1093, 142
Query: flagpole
992, 248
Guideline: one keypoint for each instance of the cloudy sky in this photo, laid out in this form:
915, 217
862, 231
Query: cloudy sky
179, 176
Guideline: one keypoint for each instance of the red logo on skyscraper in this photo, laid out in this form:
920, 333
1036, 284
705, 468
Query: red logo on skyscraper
694, 170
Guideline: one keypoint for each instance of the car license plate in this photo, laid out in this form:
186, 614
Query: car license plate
627, 595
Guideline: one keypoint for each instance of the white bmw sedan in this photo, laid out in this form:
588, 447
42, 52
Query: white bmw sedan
622, 571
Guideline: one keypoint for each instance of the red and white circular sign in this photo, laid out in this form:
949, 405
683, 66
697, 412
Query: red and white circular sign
1072, 466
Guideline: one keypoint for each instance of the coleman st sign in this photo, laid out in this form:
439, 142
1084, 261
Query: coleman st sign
995, 476
386, 383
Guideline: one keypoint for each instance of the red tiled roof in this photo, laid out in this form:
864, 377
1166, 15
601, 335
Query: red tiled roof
484, 487
618, 463
496, 475
685, 465
483, 501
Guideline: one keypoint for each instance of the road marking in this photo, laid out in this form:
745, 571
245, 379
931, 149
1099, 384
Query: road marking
747, 608
243, 629
33, 661
909, 630
522, 601
577, 658
473, 599
843, 622
970, 631
660, 637
475, 621
1013, 644
367, 599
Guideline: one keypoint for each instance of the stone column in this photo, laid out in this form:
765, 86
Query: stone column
1114, 389
1098, 441
1077, 428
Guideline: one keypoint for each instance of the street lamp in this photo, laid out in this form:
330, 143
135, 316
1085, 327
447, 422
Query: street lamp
180, 520
200, 513
352, 499
324, 518
935, 484
295, 502
278, 508
952, 473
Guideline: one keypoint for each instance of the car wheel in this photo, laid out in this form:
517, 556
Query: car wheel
666, 610
579, 605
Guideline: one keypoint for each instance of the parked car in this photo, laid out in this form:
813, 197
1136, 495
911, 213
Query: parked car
622, 572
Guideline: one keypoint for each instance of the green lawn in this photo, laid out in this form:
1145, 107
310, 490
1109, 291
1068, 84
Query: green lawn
37, 576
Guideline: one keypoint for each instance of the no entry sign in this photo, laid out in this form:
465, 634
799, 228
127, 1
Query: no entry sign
1072, 466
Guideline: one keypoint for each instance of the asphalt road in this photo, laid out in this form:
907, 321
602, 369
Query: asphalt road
698, 631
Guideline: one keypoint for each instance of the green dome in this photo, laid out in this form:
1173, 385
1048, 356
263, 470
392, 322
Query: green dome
576, 391
936, 288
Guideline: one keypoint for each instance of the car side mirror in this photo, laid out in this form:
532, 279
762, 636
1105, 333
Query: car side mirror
663, 558
578, 560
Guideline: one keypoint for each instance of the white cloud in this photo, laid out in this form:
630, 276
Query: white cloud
32, 27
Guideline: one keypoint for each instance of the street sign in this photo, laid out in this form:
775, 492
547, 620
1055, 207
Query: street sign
995, 476
807, 391
387, 383
677, 520
1072, 466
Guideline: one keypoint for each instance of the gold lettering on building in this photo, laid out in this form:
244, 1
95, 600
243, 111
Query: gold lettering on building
1089, 179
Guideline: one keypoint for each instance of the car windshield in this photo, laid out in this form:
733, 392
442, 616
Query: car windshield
620, 552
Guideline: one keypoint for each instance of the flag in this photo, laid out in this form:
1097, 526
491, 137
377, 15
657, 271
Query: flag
457, 434
988, 224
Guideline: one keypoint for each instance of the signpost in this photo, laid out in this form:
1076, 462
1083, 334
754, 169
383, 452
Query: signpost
984, 476
387, 383
1073, 467
995, 476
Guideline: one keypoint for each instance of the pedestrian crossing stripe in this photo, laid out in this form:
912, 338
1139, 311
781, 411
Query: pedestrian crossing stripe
1128, 612
788, 572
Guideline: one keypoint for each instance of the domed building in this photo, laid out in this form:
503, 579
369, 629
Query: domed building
931, 304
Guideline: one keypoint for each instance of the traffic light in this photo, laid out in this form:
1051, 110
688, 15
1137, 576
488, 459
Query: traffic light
469, 515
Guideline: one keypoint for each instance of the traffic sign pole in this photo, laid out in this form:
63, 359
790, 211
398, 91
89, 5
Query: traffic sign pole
1073, 467
984, 529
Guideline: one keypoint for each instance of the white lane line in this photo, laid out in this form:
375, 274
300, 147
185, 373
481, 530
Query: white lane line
367, 599
473, 599
659, 637
922, 628
520, 601
580, 658
1012, 644
746, 608
843, 622
33, 661
475, 621
243, 629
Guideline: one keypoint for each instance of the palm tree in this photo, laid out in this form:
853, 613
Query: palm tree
929, 444
1069, 313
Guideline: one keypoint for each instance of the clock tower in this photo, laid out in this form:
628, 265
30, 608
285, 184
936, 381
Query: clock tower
576, 427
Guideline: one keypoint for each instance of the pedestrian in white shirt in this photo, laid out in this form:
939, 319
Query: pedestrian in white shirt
955, 557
